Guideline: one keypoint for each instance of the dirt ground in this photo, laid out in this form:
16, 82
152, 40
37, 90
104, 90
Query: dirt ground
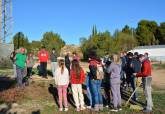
40, 96
158, 75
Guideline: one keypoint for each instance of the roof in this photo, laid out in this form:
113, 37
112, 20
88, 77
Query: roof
149, 47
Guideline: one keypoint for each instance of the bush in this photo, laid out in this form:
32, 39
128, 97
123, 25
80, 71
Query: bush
5, 63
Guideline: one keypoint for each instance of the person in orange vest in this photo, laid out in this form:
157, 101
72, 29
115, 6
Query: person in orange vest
43, 57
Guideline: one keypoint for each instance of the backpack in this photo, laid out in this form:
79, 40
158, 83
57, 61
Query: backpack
99, 72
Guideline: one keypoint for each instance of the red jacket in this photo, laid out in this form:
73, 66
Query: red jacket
74, 80
93, 62
146, 69
43, 56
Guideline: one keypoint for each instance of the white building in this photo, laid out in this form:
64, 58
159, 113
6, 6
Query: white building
156, 52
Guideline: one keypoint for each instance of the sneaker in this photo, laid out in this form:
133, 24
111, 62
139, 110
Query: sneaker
114, 110
89, 107
101, 107
107, 106
60, 109
147, 111
78, 109
83, 108
96, 107
65, 109
120, 109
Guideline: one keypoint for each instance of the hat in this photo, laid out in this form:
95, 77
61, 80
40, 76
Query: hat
146, 53
60, 58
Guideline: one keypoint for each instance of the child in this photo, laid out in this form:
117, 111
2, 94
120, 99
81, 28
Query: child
30, 64
77, 79
62, 81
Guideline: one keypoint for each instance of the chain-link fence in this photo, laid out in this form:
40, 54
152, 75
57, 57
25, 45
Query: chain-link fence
5, 51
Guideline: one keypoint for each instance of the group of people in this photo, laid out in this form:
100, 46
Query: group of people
134, 66
109, 73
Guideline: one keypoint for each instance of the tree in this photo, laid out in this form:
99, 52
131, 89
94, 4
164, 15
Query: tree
52, 40
97, 42
147, 32
161, 33
127, 30
124, 41
20, 40
94, 30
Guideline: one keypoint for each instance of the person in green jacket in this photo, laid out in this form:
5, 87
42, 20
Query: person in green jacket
20, 66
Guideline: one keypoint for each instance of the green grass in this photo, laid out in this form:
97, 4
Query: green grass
49, 107
159, 66
6, 72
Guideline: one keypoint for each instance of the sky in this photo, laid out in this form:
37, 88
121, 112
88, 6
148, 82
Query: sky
73, 19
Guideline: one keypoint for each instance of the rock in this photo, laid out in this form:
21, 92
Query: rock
14, 105
16, 111
3, 106
71, 49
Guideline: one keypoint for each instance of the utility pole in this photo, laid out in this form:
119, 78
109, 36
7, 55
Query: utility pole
0, 21
6, 21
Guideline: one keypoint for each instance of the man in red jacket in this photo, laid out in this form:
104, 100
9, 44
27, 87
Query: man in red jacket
43, 57
146, 79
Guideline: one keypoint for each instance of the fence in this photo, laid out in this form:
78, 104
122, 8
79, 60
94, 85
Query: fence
5, 51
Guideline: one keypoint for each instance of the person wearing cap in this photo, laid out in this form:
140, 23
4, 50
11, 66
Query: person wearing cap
43, 59
147, 80
20, 61
53, 59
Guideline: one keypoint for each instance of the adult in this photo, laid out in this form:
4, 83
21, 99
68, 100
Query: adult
12, 57
136, 68
53, 59
20, 66
129, 70
147, 80
114, 71
96, 83
43, 59
77, 79
30, 64
123, 68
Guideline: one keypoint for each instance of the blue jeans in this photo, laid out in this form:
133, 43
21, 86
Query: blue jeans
20, 75
133, 85
89, 88
96, 86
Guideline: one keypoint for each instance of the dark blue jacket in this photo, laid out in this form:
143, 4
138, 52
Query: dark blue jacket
136, 66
